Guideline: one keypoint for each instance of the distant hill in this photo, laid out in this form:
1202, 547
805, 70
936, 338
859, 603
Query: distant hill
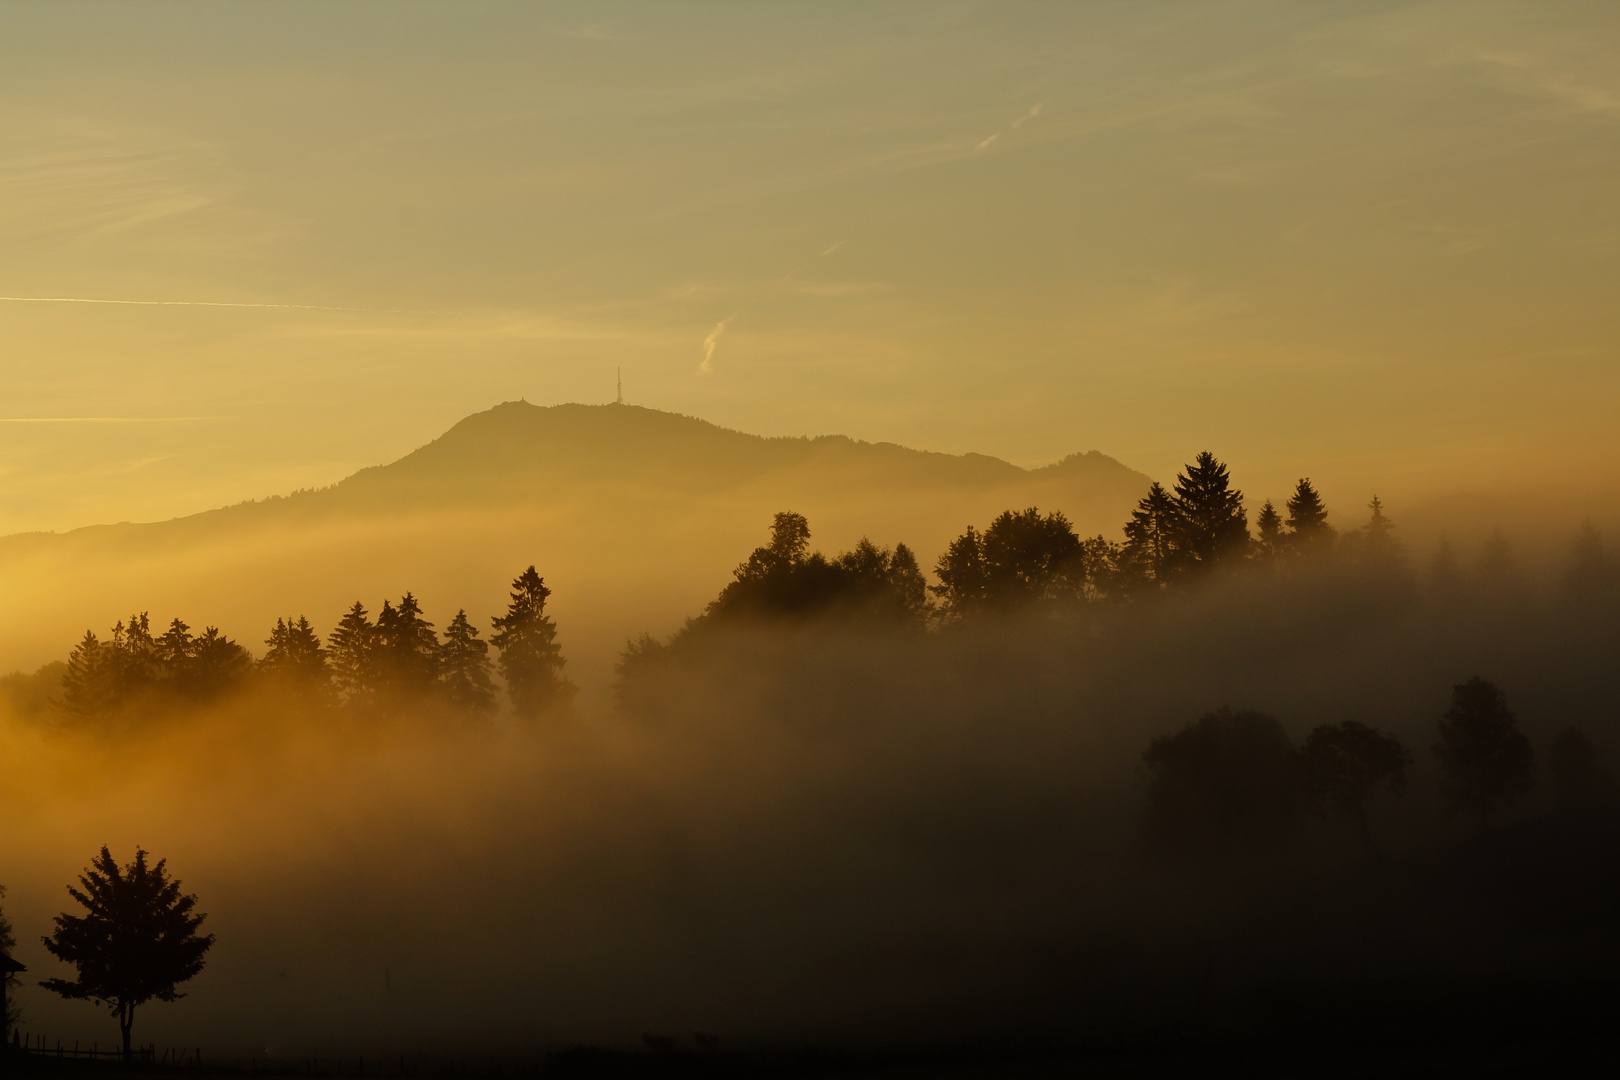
634, 515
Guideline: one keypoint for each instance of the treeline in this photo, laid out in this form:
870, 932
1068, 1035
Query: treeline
392, 664
1175, 540
1231, 780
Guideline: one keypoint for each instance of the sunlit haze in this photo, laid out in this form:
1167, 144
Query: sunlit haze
1373, 244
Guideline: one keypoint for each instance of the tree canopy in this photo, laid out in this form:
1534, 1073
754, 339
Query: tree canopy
136, 942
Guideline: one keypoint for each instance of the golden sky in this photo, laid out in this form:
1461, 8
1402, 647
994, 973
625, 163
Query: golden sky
1375, 244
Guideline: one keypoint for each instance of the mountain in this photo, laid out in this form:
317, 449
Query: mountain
634, 516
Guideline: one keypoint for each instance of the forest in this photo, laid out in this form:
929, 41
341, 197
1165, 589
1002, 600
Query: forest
1197, 778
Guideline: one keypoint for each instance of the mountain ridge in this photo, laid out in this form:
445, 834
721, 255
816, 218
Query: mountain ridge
516, 449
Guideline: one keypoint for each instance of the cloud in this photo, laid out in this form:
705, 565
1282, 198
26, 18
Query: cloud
709, 343
1034, 111
204, 303
835, 247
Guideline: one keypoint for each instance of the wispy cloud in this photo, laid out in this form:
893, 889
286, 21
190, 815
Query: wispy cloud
835, 247
989, 141
710, 342
104, 419
208, 303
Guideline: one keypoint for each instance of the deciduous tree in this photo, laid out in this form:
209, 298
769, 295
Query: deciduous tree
136, 942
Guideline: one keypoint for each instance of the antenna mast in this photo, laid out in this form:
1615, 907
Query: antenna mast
620, 399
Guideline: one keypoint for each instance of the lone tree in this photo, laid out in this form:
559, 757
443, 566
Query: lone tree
1345, 764
531, 660
1485, 760
137, 942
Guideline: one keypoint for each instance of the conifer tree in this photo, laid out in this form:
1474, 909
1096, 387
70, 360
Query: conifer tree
1211, 526
296, 661
1150, 537
1269, 524
216, 664
406, 652
90, 686
350, 654
1310, 532
531, 661
466, 676
1589, 574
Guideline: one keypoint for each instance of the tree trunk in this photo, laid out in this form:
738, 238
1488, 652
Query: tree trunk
126, 1020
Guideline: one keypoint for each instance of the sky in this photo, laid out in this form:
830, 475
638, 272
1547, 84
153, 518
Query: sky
249, 248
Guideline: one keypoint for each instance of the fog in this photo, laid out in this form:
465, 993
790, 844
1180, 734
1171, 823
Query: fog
817, 833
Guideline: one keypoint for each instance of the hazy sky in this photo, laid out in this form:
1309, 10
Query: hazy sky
1376, 244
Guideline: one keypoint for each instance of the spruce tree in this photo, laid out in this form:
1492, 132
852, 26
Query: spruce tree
350, 654
406, 651
1211, 526
1150, 538
531, 660
90, 686
1269, 524
295, 661
466, 671
1307, 520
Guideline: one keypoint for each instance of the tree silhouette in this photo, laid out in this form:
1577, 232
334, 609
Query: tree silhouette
1023, 557
1497, 575
1211, 528
1150, 538
964, 580
1225, 781
1310, 532
296, 660
137, 941
466, 671
1485, 761
8, 979
405, 653
531, 661
1271, 540
351, 644
90, 686
1344, 765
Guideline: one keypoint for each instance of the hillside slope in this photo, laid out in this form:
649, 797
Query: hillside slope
634, 516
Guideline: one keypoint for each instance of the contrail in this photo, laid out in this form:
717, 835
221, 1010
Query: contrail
207, 303
710, 342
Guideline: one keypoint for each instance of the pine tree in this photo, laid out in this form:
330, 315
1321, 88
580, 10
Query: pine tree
90, 687
531, 660
406, 651
466, 671
295, 654
349, 654
217, 663
1211, 526
1269, 523
1310, 532
1150, 538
